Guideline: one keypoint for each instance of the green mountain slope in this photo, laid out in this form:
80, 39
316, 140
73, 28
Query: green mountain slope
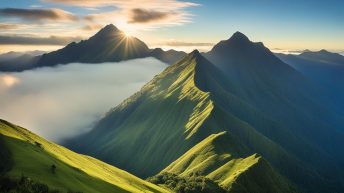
194, 98
24, 153
219, 158
136, 134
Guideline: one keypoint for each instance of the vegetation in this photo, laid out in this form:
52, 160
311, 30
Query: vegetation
58, 168
220, 159
194, 183
25, 185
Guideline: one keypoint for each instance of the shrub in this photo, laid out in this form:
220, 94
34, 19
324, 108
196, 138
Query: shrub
194, 183
24, 185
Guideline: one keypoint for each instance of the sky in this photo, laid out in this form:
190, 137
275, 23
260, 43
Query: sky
292, 25
57, 104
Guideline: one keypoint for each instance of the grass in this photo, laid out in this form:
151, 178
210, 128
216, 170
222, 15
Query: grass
217, 158
33, 156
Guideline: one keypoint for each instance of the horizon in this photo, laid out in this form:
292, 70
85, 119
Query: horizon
48, 25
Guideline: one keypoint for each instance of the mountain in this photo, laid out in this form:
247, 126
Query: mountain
275, 118
169, 56
12, 61
108, 45
324, 67
12, 55
31, 162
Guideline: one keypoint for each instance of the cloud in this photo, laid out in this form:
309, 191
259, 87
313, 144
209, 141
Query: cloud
288, 51
33, 40
62, 102
153, 4
37, 14
5, 26
128, 13
181, 43
146, 16
91, 27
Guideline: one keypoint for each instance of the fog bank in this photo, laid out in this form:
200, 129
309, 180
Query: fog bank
64, 101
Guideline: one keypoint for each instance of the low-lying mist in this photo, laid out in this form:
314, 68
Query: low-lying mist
64, 101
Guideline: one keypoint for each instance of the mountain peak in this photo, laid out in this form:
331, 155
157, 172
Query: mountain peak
108, 30
239, 37
324, 51
195, 53
110, 27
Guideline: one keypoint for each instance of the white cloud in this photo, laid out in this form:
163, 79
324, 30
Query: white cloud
64, 101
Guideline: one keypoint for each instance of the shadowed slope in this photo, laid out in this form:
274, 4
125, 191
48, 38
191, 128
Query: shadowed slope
325, 68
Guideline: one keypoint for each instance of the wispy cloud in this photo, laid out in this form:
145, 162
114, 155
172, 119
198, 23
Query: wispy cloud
146, 13
6, 26
91, 27
145, 16
153, 4
37, 14
33, 40
182, 43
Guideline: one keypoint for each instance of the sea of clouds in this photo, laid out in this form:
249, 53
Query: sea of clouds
64, 101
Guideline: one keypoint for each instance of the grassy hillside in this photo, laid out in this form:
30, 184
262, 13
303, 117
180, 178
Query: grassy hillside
149, 129
26, 154
219, 158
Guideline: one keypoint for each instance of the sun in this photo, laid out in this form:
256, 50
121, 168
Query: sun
128, 34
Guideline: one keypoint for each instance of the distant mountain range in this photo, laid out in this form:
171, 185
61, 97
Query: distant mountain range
236, 115
324, 67
108, 45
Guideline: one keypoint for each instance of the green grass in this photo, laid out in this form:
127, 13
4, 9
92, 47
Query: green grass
32, 156
217, 158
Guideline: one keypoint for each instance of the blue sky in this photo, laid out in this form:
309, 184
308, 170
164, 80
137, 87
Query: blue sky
280, 24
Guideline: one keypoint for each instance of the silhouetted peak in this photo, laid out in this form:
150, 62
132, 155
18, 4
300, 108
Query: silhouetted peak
324, 51
108, 30
239, 37
195, 54
157, 50
316, 53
